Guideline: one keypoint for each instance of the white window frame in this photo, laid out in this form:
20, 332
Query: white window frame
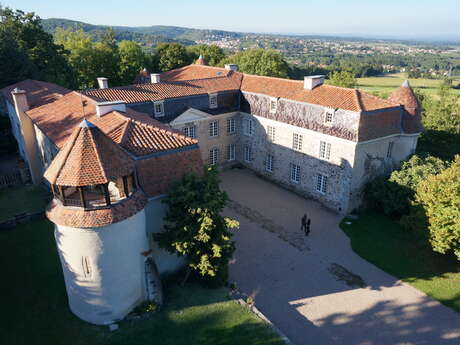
273, 105
213, 101
214, 129
231, 150
190, 131
325, 150
248, 125
271, 133
297, 141
329, 116
269, 163
214, 156
161, 111
247, 153
231, 125
391, 145
321, 183
294, 173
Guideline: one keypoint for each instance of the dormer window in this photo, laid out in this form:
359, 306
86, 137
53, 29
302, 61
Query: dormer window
158, 108
273, 105
213, 101
329, 116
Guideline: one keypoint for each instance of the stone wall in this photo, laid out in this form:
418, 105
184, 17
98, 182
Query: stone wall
338, 168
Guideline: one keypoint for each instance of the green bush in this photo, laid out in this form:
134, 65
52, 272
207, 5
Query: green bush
393, 195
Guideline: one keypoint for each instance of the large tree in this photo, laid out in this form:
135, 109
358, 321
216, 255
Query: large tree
439, 197
132, 60
172, 55
33, 51
342, 79
211, 53
267, 62
195, 228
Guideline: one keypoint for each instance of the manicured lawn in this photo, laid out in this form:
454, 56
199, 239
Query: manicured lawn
384, 243
386, 84
27, 198
34, 305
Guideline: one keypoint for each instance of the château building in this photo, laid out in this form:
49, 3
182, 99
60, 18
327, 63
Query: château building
110, 155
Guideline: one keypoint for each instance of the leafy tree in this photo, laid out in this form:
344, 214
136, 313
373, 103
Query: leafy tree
393, 195
38, 57
211, 53
267, 62
132, 60
439, 196
195, 228
342, 79
172, 55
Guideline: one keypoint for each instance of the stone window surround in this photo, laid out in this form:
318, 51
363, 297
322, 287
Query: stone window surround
190, 131
271, 133
248, 126
273, 104
158, 109
231, 152
269, 162
297, 141
324, 150
294, 173
231, 125
214, 156
213, 101
247, 153
329, 116
214, 129
321, 183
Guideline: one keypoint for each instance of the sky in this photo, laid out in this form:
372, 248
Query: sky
423, 19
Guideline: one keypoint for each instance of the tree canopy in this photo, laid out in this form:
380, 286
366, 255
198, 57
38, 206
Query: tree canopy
172, 55
342, 79
267, 62
211, 53
195, 228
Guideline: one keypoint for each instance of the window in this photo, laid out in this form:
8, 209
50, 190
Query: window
190, 131
248, 126
158, 109
329, 117
214, 156
214, 128
297, 142
231, 125
295, 173
271, 133
390, 149
86, 263
324, 150
247, 154
269, 163
321, 183
231, 152
213, 100
273, 105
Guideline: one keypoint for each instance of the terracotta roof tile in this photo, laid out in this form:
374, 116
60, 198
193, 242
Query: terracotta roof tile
192, 72
153, 92
404, 95
201, 61
89, 157
38, 92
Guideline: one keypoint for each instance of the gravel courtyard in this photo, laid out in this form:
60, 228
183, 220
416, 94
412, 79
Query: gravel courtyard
316, 289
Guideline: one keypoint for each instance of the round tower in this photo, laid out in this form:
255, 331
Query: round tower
100, 230
201, 61
405, 96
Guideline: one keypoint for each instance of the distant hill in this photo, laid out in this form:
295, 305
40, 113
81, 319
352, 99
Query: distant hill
149, 35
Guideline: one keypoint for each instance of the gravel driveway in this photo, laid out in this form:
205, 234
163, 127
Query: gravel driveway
316, 289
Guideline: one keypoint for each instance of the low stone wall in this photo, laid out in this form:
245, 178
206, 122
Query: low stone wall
21, 218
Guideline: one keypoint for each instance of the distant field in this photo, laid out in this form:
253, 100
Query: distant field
386, 84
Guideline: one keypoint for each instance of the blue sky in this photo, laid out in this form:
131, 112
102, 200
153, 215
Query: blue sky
389, 18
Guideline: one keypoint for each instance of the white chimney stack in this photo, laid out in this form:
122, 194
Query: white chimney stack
103, 108
231, 67
155, 78
310, 82
103, 82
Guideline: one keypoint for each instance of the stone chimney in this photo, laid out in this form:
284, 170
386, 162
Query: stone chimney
310, 82
155, 78
103, 82
28, 135
103, 108
231, 67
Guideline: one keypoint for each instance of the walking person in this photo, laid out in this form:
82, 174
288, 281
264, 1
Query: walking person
307, 228
303, 226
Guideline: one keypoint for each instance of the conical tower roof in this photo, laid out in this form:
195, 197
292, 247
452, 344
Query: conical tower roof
405, 96
201, 61
89, 158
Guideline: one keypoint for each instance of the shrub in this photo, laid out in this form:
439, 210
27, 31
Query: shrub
393, 195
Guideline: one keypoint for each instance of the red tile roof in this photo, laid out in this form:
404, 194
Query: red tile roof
404, 95
88, 158
192, 72
38, 92
201, 61
153, 92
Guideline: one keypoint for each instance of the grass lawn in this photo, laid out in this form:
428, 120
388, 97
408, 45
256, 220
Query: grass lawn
34, 305
387, 245
19, 199
386, 84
